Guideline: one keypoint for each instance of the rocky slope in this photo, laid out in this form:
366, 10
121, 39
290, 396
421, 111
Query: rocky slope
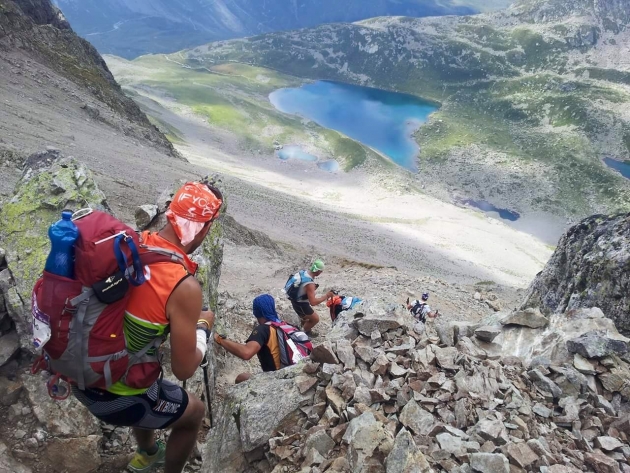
37, 29
588, 269
380, 395
532, 98
56, 92
476, 391
130, 28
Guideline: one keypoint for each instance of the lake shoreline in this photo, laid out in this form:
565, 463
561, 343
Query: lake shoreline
375, 118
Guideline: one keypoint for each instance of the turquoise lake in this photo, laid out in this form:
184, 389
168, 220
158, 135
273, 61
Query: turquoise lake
377, 118
621, 167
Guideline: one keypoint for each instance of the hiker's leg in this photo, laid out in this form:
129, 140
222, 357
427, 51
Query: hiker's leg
308, 317
242, 378
184, 435
145, 439
309, 321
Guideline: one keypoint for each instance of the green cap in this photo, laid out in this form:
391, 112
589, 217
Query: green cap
318, 265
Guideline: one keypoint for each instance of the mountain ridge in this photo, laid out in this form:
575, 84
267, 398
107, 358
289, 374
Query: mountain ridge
38, 28
130, 28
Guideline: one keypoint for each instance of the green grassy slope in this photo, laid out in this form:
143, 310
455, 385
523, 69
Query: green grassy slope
234, 97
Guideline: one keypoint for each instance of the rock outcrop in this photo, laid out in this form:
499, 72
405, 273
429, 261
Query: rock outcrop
50, 184
590, 268
244, 236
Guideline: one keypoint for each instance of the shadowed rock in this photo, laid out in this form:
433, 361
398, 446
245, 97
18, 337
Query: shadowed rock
531, 318
596, 344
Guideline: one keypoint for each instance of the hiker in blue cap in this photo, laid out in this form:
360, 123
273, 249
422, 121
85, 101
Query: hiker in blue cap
276, 343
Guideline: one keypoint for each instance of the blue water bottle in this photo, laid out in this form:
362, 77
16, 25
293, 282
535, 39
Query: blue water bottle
63, 234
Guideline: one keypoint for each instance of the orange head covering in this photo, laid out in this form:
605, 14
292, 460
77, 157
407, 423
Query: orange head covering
194, 205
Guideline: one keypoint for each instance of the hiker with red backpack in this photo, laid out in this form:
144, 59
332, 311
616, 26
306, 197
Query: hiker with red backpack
277, 343
101, 327
338, 304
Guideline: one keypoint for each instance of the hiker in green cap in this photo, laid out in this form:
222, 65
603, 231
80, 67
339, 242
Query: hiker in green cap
300, 289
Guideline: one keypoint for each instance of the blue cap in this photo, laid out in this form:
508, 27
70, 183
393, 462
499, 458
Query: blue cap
265, 308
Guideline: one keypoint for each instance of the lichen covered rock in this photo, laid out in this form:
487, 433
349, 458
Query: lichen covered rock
50, 184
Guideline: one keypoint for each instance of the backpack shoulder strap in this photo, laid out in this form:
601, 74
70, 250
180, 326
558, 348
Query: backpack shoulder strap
155, 254
305, 278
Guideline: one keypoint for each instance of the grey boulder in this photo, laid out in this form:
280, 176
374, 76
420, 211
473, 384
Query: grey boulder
597, 344
531, 318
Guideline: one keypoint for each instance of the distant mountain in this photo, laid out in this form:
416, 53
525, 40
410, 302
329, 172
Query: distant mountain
130, 28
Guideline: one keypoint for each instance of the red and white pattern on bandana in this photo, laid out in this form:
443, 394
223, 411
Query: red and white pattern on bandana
192, 207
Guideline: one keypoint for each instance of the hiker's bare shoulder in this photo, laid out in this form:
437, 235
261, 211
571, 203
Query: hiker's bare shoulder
189, 287
185, 300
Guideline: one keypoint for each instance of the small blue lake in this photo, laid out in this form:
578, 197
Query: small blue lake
331, 165
295, 152
622, 167
377, 118
505, 214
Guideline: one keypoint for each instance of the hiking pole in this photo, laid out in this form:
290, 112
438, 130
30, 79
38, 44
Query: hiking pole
206, 382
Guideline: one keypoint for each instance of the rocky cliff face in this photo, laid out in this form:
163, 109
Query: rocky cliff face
590, 268
38, 29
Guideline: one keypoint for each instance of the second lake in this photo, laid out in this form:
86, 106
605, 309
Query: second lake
377, 118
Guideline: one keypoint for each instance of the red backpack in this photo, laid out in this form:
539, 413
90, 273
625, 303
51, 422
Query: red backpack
87, 343
294, 344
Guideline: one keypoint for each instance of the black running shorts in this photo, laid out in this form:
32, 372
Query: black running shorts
160, 406
302, 309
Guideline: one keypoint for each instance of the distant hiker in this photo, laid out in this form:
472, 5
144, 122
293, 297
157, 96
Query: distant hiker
170, 301
337, 304
420, 309
276, 343
300, 289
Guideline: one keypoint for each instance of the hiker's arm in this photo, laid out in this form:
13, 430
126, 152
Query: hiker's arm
244, 351
183, 310
312, 298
